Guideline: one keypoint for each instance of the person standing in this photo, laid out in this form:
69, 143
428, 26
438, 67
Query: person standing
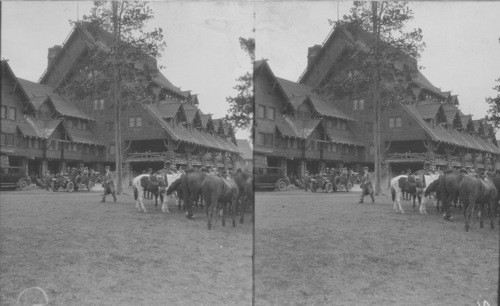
108, 185
366, 186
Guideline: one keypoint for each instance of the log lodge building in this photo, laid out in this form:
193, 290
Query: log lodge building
299, 128
41, 129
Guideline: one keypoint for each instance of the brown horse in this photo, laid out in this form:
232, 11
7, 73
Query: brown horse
448, 186
216, 189
477, 193
244, 181
191, 190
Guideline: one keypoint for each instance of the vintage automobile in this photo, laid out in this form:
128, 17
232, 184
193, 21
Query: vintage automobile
321, 182
270, 178
13, 177
72, 182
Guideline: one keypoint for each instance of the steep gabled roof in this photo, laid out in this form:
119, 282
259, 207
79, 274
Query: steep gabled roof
39, 94
83, 136
428, 110
297, 128
326, 108
6, 69
38, 128
450, 112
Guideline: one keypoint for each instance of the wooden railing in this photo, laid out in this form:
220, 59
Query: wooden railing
406, 156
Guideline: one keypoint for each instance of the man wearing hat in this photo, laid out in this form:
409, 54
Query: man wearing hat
366, 186
108, 185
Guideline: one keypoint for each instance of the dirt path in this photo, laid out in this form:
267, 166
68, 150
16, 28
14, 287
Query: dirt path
81, 252
325, 249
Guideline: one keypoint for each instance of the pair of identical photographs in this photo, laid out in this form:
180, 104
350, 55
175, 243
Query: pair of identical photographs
301, 249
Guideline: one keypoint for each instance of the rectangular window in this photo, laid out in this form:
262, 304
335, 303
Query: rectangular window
131, 122
270, 113
86, 149
312, 145
391, 122
334, 147
356, 151
346, 150
7, 139
101, 104
85, 126
110, 126
339, 124
138, 121
78, 124
395, 122
343, 125
112, 149
261, 139
69, 123
368, 127
35, 143
96, 104
4, 112
372, 150
261, 112
269, 140
12, 113
295, 143
355, 104
361, 104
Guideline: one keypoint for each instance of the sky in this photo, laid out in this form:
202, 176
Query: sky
202, 54
462, 38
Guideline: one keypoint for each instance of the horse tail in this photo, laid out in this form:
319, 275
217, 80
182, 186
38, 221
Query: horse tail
136, 195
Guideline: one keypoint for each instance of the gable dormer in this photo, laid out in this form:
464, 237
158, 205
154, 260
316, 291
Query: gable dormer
305, 110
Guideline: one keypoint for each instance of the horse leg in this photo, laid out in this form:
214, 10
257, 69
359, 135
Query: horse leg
164, 203
493, 212
142, 203
222, 212
414, 197
242, 205
469, 211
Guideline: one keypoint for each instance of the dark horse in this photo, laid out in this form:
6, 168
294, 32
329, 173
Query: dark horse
191, 190
216, 189
244, 181
448, 187
413, 187
176, 186
433, 188
476, 192
148, 183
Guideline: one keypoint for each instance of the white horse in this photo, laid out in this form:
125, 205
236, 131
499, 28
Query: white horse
396, 193
172, 177
142, 181
429, 179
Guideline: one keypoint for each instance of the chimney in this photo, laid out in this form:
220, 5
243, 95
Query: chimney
311, 54
53, 52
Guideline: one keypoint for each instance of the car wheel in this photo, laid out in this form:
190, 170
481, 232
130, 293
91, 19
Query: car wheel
90, 185
329, 187
23, 185
70, 186
281, 185
54, 186
348, 186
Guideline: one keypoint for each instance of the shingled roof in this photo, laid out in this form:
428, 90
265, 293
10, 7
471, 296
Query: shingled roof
39, 93
190, 135
452, 136
83, 136
428, 110
298, 93
38, 128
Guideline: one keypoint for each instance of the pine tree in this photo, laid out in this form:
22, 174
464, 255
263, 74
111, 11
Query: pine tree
121, 64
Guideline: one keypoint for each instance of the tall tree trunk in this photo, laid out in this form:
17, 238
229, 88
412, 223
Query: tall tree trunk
376, 102
116, 102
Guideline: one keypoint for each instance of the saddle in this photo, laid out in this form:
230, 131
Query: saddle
228, 183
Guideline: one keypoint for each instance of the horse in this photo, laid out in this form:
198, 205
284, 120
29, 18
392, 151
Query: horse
216, 189
170, 177
414, 187
244, 181
191, 190
448, 187
475, 192
432, 188
151, 183
175, 189
396, 185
